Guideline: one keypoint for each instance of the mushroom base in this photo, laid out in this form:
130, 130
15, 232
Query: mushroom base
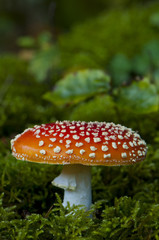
76, 182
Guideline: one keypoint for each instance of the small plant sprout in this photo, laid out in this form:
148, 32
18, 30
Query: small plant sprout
78, 146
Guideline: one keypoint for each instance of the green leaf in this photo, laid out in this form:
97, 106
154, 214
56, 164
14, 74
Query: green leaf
140, 97
76, 87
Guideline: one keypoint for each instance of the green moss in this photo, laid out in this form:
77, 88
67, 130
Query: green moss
20, 96
123, 221
28, 185
101, 108
125, 203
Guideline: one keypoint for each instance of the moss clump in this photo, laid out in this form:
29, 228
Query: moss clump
101, 107
125, 203
18, 93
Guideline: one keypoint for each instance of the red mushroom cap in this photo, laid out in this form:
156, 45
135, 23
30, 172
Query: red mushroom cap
92, 143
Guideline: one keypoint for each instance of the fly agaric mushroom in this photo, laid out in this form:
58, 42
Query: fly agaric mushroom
77, 146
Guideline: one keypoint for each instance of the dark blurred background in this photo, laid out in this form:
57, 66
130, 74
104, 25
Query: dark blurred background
31, 17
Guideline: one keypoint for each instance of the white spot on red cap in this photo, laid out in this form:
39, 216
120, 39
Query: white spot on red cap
93, 148
112, 137
79, 144
124, 155
72, 127
92, 155
120, 137
97, 139
74, 131
104, 133
131, 144
67, 136
104, 148
107, 138
114, 145
43, 152
133, 160
82, 151
141, 142
63, 130
107, 155
50, 145
125, 146
87, 139
68, 141
95, 134
70, 151
61, 135
82, 134
37, 132
51, 131
76, 137
57, 149
41, 143
139, 153
67, 145
52, 139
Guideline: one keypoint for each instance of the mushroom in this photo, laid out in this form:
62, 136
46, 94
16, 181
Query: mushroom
77, 146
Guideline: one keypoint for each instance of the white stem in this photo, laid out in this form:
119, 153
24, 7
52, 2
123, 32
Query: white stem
76, 182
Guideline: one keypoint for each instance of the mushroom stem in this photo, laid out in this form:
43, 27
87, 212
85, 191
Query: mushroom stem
76, 182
